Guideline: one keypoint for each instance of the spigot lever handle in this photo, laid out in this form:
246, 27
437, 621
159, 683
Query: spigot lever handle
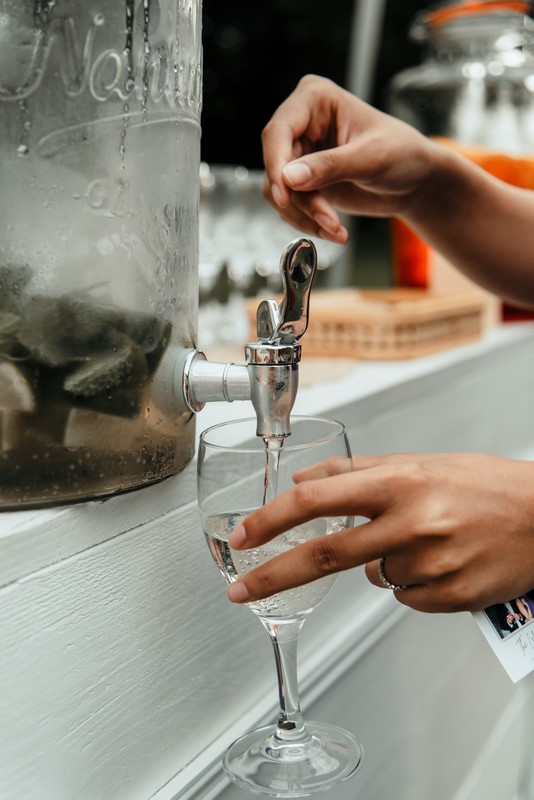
267, 320
298, 266
272, 361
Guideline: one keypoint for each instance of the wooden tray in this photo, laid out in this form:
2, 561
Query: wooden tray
388, 323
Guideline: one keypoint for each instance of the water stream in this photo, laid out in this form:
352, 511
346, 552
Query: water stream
273, 451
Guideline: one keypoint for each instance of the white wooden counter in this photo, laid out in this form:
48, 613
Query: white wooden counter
125, 672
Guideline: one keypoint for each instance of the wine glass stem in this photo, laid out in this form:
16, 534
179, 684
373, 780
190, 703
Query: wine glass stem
284, 637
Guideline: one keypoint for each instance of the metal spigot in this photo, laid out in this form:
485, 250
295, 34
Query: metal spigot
273, 360
270, 377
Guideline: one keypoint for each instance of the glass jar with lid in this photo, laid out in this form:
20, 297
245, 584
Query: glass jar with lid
474, 91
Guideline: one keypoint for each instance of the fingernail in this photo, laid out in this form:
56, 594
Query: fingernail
328, 223
238, 537
297, 173
340, 235
237, 592
277, 195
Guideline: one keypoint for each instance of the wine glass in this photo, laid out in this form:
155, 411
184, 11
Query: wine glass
238, 472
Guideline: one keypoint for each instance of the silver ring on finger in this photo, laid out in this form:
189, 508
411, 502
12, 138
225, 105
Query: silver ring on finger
395, 587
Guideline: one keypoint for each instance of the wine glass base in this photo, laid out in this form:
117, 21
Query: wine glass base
261, 763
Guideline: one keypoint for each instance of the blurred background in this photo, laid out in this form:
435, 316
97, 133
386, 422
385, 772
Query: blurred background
255, 54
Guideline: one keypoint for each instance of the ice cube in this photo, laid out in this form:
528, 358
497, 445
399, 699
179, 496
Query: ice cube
145, 330
16, 393
13, 282
64, 329
124, 364
100, 431
10, 329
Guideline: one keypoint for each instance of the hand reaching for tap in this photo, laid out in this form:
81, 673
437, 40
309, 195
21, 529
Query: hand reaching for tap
455, 530
450, 531
325, 151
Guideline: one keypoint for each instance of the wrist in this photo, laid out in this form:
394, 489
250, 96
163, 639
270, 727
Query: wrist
448, 186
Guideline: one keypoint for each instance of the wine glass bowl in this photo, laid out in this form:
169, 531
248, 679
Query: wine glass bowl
234, 563
237, 473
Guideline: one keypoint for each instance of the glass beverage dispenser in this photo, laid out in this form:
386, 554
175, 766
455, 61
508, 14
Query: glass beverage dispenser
99, 165
473, 91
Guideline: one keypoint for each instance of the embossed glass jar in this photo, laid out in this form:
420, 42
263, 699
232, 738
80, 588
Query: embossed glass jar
473, 91
99, 165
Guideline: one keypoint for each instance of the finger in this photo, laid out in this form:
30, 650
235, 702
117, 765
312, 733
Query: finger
421, 598
455, 591
359, 462
307, 562
317, 208
335, 465
396, 570
364, 493
296, 215
416, 595
372, 572
344, 163
280, 146
305, 116
442, 597
300, 220
309, 213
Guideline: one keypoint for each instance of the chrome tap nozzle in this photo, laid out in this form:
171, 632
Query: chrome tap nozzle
270, 377
272, 361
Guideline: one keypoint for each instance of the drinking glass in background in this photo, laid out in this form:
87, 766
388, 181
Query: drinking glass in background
241, 238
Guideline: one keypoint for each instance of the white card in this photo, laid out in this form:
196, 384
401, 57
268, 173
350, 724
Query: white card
509, 629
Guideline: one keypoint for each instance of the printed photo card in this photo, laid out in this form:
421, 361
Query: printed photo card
509, 629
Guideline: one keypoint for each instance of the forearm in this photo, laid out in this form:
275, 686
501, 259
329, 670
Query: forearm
482, 225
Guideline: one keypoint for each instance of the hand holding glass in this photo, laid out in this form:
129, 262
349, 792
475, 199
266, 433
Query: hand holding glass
237, 472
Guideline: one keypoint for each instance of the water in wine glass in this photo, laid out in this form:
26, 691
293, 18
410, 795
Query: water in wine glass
235, 563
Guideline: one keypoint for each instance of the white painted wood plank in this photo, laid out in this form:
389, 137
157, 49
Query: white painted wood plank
122, 670
31, 540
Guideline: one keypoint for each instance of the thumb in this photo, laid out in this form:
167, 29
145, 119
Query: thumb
318, 170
